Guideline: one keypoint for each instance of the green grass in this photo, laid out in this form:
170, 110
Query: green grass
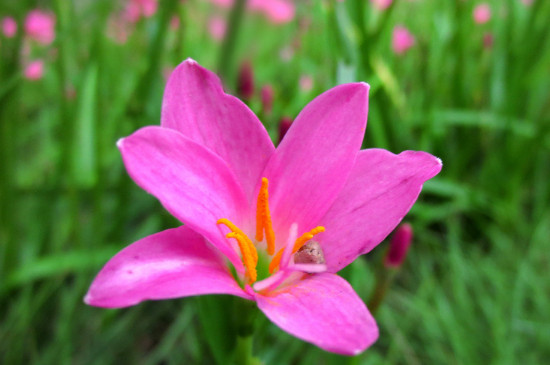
475, 286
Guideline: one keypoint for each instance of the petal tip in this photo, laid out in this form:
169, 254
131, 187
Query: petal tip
364, 85
357, 87
119, 143
88, 299
190, 61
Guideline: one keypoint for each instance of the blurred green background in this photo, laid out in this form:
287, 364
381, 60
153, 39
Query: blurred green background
475, 287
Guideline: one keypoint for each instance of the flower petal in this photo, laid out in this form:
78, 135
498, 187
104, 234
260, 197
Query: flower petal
170, 264
313, 162
379, 192
191, 182
195, 105
325, 310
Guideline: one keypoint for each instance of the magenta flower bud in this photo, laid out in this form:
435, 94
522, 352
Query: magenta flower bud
284, 125
267, 98
9, 27
40, 26
482, 13
381, 4
399, 246
34, 70
402, 40
488, 40
245, 83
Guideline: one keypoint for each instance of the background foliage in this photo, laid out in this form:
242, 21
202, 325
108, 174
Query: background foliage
475, 287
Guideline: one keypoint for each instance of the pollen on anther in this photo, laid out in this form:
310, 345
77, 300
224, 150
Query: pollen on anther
263, 218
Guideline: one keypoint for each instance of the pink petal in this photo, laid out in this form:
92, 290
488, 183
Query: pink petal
277, 11
313, 161
170, 264
191, 182
379, 192
325, 310
195, 105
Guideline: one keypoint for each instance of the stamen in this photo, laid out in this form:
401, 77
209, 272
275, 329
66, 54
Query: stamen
250, 257
306, 237
248, 250
297, 245
263, 218
275, 261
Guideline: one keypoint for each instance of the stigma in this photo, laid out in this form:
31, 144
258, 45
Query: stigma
264, 229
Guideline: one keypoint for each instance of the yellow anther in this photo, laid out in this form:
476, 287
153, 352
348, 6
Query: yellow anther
300, 241
263, 218
249, 252
275, 261
306, 237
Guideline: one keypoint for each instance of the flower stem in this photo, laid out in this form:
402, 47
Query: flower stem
243, 352
383, 282
245, 312
228, 48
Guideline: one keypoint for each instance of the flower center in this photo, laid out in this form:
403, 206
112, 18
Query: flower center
264, 227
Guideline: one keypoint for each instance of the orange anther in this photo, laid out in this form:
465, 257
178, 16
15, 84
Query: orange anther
306, 237
300, 241
275, 261
248, 252
263, 218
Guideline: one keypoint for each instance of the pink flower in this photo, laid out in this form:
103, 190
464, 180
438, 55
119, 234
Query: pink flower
399, 246
306, 83
277, 11
217, 27
488, 40
527, 2
174, 22
213, 166
34, 70
40, 26
9, 27
135, 9
381, 4
284, 125
245, 81
482, 13
402, 40
119, 28
266, 94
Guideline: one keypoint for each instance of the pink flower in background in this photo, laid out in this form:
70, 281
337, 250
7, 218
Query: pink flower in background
119, 28
381, 4
399, 246
527, 2
244, 203
135, 9
402, 40
174, 22
482, 13
306, 83
266, 95
284, 125
277, 11
245, 81
9, 27
40, 26
34, 70
286, 53
488, 40
217, 27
